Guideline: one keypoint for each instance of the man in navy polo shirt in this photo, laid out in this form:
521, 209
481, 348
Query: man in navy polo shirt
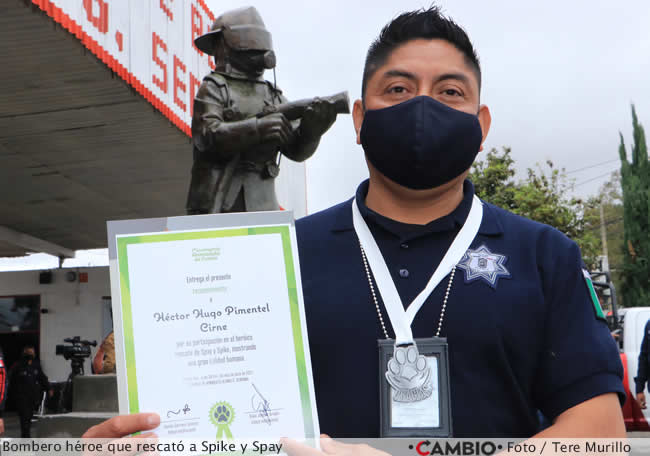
523, 332
522, 329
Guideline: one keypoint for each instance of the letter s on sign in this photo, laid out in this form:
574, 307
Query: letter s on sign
101, 20
157, 42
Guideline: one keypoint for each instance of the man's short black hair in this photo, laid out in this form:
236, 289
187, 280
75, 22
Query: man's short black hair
426, 24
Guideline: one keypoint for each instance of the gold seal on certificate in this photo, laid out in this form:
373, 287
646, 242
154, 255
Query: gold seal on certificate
210, 326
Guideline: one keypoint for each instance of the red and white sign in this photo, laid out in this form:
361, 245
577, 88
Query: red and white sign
149, 43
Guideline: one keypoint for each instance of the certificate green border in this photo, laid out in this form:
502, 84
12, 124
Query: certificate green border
127, 317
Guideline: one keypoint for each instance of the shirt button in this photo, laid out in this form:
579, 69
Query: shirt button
404, 245
404, 273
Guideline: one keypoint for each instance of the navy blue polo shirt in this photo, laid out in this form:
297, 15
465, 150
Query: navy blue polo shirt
521, 327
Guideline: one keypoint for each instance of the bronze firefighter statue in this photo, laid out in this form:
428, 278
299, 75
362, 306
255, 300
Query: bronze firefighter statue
242, 125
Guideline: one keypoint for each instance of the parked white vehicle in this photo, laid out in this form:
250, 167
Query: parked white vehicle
632, 323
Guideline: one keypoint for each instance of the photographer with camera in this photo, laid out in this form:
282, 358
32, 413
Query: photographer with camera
26, 382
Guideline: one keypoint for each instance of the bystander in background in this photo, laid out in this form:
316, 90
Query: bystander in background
27, 381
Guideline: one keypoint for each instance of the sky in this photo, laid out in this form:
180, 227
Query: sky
558, 77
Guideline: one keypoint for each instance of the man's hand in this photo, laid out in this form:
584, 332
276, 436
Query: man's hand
2, 426
317, 119
640, 398
329, 446
123, 425
50, 393
274, 129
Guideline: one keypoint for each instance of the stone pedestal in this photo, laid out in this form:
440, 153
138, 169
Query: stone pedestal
95, 393
94, 399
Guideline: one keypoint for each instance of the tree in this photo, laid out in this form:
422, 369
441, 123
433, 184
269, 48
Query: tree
540, 197
609, 197
635, 180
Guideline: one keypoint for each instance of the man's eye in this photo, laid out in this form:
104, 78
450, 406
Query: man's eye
397, 89
452, 92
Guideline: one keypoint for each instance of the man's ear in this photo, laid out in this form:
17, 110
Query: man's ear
357, 117
485, 119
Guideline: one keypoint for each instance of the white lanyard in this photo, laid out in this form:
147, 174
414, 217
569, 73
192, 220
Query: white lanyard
401, 318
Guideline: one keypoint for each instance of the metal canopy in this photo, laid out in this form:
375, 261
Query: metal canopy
78, 146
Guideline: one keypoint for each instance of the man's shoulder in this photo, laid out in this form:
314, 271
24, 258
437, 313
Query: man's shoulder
519, 227
322, 222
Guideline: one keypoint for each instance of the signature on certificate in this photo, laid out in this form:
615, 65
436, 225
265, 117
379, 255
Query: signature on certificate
185, 410
261, 405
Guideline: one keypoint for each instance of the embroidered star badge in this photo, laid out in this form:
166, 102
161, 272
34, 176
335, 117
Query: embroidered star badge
480, 263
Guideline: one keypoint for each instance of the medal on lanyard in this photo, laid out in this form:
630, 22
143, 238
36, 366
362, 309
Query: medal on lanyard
413, 378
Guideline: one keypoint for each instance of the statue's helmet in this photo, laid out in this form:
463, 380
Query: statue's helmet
242, 29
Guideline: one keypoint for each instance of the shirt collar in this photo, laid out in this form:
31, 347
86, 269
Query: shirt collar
490, 225
407, 231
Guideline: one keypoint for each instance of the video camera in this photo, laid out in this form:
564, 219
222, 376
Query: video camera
78, 350
76, 353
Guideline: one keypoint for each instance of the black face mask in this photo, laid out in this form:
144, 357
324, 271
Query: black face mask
421, 143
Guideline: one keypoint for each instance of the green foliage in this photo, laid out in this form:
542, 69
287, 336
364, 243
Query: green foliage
635, 180
493, 178
611, 200
540, 197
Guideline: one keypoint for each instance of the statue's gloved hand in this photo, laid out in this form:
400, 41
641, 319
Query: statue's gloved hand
317, 118
274, 129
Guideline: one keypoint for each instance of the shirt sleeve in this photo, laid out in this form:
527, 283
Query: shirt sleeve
580, 359
642, 373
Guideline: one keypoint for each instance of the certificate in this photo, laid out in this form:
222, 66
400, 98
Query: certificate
210, 326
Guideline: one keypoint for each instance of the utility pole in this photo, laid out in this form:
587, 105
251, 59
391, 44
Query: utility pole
603, 235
